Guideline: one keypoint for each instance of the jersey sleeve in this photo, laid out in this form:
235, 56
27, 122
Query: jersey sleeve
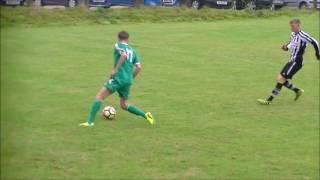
309, 39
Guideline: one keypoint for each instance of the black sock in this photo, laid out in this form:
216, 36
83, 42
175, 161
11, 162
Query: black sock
275, 91
291, 86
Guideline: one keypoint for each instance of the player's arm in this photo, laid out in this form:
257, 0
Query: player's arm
315, 45
137, 65
312, 41
137, 70
122, 58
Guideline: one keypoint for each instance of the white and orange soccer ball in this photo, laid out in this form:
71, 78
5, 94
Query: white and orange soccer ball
109, 112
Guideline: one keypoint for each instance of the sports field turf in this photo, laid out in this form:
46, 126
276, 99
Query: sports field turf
200, 80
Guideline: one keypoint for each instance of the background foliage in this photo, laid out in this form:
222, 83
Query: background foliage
33, 16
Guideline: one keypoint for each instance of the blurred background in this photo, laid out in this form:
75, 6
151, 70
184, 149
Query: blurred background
196, 4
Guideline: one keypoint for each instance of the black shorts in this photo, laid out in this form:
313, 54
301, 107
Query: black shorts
290, 69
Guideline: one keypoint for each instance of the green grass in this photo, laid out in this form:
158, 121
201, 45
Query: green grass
201, 81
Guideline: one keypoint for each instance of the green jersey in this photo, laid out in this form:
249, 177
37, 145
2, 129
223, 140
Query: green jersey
125, 72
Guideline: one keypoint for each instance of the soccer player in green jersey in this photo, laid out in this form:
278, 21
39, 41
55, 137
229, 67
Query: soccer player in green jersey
126, 67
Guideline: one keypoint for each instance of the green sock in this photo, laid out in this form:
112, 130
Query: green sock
136, 111
94, 109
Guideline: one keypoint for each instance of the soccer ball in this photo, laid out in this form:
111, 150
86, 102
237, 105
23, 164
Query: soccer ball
109, 112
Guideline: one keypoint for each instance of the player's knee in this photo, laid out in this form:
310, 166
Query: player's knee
280, 79
100, 96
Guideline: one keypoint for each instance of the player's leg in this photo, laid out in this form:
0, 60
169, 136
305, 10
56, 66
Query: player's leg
101, 95
124, 95
281, 78
280, 81
288, 71
134, 110
295, 89
275, 92
291, 86
130, 108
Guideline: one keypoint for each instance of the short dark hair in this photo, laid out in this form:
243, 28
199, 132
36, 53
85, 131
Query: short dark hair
123, 35
295, 21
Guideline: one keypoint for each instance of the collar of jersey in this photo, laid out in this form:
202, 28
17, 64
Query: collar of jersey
123, 43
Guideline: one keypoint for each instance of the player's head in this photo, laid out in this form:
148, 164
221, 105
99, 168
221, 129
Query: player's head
123, 36
295, 25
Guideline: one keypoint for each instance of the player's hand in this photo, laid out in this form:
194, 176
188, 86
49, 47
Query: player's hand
284, 47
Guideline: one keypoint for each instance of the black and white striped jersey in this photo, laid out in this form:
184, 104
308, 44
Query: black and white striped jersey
298, 43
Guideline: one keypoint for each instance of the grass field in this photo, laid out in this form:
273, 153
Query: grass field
201, 81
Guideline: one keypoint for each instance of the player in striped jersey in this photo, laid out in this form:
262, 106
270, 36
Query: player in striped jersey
297, 45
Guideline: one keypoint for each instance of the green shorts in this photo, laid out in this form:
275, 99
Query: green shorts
122, 89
